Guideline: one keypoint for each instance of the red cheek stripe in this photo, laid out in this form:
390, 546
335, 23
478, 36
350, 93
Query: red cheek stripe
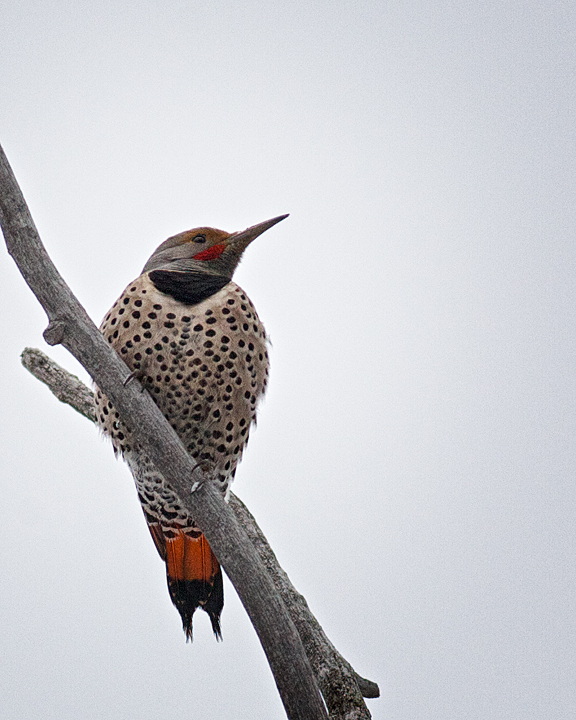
211, 253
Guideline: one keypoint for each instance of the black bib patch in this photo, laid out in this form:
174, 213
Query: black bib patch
187, 287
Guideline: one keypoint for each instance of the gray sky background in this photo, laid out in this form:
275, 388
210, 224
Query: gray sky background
413, 466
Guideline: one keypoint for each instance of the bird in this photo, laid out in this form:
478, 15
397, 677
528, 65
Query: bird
193, 339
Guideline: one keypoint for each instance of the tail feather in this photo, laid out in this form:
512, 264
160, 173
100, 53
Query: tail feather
194, 577
188, 595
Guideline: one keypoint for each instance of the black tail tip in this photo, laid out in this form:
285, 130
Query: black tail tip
215, 620
188, 595
187, 625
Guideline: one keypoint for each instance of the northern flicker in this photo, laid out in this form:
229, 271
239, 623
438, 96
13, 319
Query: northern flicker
194, 341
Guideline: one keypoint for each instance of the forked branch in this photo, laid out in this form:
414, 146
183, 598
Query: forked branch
341, 687
70, 325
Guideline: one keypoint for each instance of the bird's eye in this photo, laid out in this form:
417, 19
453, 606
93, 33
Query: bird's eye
199, 239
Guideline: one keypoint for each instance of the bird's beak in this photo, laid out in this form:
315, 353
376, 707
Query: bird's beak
242, 239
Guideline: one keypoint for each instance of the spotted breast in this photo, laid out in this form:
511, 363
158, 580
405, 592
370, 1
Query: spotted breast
194, 341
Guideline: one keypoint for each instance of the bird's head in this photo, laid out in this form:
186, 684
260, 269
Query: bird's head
206, 250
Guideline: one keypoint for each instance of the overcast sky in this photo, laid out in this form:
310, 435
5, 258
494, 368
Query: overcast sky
413, 465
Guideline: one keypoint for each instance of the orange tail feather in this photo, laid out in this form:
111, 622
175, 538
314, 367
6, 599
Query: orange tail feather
194, 577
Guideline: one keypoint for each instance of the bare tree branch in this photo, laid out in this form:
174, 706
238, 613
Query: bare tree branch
340, 685
342, 688
70, 325
65, 386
